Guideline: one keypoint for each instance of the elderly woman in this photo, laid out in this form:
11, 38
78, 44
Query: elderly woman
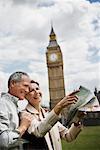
45, 131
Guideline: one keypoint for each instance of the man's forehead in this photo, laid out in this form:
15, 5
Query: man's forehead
26, 78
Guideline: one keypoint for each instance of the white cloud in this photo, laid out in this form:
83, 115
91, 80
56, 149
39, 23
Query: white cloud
24, 35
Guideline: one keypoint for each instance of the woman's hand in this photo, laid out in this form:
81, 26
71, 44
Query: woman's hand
66, 101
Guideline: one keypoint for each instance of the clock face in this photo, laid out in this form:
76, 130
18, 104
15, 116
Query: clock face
53, 57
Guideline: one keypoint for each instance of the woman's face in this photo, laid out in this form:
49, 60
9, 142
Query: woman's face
34, 96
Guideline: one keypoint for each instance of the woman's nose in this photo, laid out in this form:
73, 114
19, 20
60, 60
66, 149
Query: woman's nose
36, 91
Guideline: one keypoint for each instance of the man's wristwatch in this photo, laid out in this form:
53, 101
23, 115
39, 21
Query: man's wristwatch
76, 124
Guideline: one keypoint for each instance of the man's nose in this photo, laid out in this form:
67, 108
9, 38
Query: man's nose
27, 89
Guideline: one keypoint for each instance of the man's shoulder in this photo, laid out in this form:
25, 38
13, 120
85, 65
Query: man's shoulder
4, 99
4, 96
6, 104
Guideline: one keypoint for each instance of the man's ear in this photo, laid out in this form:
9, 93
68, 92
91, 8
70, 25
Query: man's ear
12, 83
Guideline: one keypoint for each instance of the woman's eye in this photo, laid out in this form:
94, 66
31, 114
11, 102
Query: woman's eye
32, 90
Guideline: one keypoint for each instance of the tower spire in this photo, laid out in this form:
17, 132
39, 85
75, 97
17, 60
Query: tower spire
52, 41
52, 34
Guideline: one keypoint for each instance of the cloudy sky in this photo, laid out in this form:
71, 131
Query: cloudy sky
25, 26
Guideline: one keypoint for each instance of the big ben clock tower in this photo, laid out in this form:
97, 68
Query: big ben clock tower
55, 70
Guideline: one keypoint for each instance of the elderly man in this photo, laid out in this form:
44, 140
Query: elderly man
10, 130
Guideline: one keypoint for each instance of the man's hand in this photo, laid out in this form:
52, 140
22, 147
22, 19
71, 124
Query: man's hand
25, 121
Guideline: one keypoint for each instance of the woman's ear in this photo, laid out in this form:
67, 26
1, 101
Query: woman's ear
40, 94
26, 96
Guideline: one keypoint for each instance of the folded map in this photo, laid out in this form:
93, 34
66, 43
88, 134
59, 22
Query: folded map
87, 102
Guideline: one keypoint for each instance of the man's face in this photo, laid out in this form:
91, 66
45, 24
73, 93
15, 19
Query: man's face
35, 95
20, 89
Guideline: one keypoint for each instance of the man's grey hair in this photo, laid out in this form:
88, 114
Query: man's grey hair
16, 76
